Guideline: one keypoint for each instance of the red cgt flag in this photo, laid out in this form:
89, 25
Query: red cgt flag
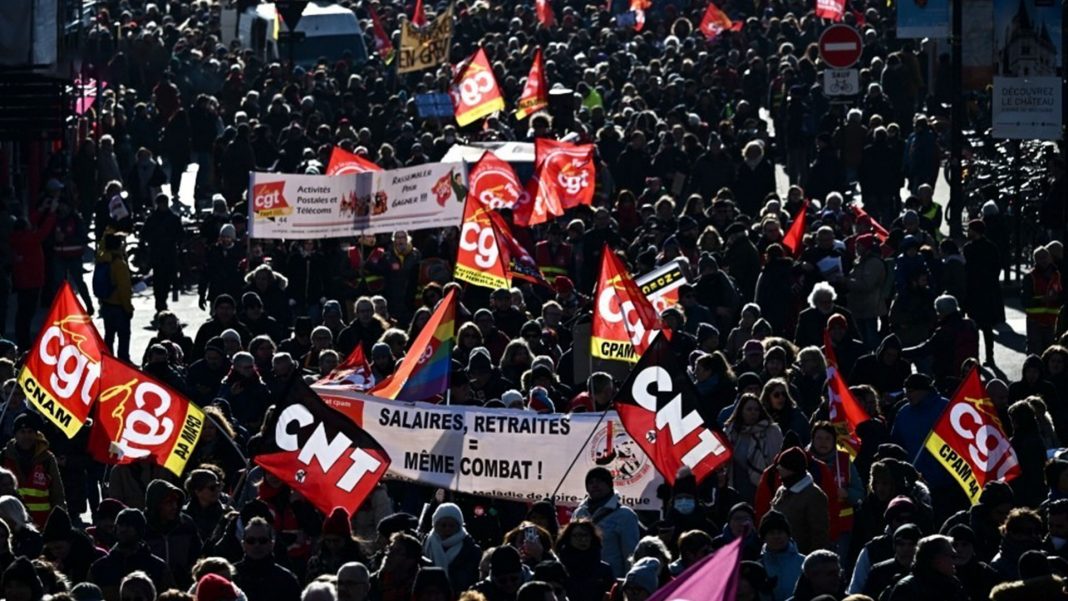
474, 90
353, 373
544, 11
564, 177
796, 233
343, 162
139, 417
715, 21
624, 321
383, 45
535, 96
494, 184
844, 410
61, 377
969, 441
488, 254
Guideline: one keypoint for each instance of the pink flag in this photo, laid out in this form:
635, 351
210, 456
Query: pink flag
714, 578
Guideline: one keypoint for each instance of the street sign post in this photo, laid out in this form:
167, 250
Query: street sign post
840, 46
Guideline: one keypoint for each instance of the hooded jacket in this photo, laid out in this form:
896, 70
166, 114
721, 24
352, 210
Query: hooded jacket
805, 507
871, 370
176, 541
82, 552
620, 531
784, 567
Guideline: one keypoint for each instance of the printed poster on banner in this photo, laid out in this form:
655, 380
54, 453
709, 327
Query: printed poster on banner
310, 207
486, 452
923, 19
1028, 69
425, 47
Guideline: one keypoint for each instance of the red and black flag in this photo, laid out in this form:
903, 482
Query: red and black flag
321, 453
658, 407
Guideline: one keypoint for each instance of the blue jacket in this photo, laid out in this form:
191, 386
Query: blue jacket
911, 427
620, 531
785, 566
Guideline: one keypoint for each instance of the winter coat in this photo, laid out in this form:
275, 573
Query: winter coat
777, 305
873, 371
753, 184
883, 576
784, 567
265, 580
206, 519
954, 339
225, 275
275, 299
619, 529
1007, 561
755, 448
108, 571
911, 426
27, 252
121, 285
163, 233
588, 576
982, 275
128, 483
912, 316
1050, 587
177, 542
924, 585
742, 263
865, 284
805, 508
812, 322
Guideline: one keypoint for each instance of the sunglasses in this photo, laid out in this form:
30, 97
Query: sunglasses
257, 540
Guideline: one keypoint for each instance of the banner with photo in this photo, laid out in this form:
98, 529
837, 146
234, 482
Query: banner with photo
425, 47
309, 207
1028, 67
486, 452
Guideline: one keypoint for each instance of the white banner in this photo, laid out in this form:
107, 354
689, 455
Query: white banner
1027, 108
488, 452
308, 207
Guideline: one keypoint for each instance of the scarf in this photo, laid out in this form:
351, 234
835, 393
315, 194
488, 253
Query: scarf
444, 552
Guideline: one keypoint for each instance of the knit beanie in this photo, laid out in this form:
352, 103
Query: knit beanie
645, 575
448, 510
774, 520
213, 587
57, 527
133, 518
794, 459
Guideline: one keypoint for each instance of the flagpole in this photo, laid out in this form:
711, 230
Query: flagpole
567, 472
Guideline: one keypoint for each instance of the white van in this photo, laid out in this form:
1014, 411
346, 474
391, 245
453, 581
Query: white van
329, 31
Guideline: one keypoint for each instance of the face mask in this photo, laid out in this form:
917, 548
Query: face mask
685, 506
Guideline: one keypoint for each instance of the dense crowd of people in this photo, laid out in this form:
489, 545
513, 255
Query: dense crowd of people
689, 133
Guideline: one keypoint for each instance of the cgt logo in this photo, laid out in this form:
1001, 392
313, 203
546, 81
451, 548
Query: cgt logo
613, 311
987, 446
150, 423
573, 178
268, 200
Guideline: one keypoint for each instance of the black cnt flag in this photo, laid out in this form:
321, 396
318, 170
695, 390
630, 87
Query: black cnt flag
658, 407
320, 453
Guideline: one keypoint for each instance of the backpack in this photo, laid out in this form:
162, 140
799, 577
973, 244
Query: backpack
102, 285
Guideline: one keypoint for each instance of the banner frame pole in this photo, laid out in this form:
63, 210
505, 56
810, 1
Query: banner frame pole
582, 448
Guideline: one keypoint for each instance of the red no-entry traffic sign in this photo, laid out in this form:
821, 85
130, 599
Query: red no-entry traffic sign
840, 46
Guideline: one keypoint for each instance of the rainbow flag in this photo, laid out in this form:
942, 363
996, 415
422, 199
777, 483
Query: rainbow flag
424, 371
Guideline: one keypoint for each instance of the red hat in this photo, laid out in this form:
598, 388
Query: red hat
338, 523
563, 285
213, 587
837, 321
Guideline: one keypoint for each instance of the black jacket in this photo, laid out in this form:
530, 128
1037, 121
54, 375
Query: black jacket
265, 580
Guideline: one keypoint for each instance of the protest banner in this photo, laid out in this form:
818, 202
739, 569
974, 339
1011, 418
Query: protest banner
310, 207
969, 442
425, 47
1028, 60
139, 417
61, 376
486, 452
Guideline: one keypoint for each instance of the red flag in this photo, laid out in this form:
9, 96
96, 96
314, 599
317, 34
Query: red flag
535, 96
343, 162
846, 413
876, 228
544, 12
638, 8
354, 372
383, 45
489, 255
792, 239
139, 417
61, 377
714, 21
564, 177
658, 407
969, 441
494, 184
319, 452
624, 321
474, 90
830, 9
418, 16
713, 578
